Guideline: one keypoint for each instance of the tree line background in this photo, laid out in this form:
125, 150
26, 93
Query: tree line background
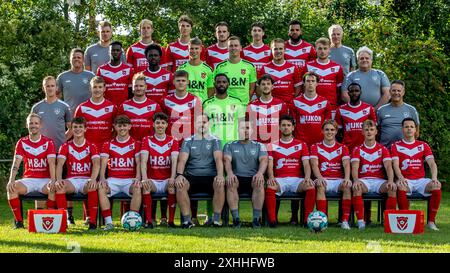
410, 40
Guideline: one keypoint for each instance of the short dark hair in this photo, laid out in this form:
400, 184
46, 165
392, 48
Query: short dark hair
354, 84
266, 77
122, 119
153, 46
78, 120
161, 116
288, 118
402, 83
181, 73
409, 119
222, 75
311, 73
222, 23
235, 38
116, 43
76, 50
258, 24
295, 22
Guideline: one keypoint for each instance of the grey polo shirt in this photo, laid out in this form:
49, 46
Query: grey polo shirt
344, 56
371, 83
74, 87
201, 155
97, 55
245, 157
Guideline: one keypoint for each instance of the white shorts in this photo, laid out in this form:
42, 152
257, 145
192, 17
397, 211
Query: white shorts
118, 185
34, 184
78, 183
288, 184
419, 186
333, 184
373, 184
161, 185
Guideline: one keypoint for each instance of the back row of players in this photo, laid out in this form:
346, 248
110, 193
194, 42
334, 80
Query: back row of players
156, 164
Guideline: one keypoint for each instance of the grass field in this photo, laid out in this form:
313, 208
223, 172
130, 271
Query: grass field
284, 238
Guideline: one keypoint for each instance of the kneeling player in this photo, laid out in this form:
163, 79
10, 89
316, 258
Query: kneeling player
245, 163
159, 155
411, 176
121, 157
38, 155
288, 159
370, 161
82, 164
333, 175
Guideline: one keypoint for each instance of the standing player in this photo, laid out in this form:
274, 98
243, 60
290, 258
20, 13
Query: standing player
159, 80
177, 53
371, 164
117, 75
136, 52
257, 52
330, 164
331, 74
242, 74
297, 50
288, 170
99, 114
159, 155
200, 74
218, 52
38, 154
74, 83
350, 117
245, 163
82, 162
411, 154
286, 75
120, 157
265, 112
341, 54
139, 109
200, 170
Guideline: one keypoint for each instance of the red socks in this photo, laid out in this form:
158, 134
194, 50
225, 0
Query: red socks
106, 213
51, 204
270, 201
403, 202
92, 206
61, 201
322, 206
346, 207
358, 206
147, 204
391, 203
172, 201
435, 201
310, 201
15, 207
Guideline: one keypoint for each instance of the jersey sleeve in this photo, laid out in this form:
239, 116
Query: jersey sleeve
63, 151
51, 151
59, 84
340, 76
67, 114
252, 76
203, 54
427, 151
372, 114
297, 76
355, 155
129, 56
314, 152
345, 152
384, 79
78, 112
87, 57
94, 151
338, 118
394, 152
328, 111
210, 80
284, 110
262, 150
227, 150
168, 57
216, 145
186, 146
19, 152
312, 54
385, 154
105, 150
352, 59
144, 146
137, 148
305, 151
170, 86
348, 79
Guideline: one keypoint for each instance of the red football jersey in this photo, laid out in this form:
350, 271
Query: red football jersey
286, 77
159, 84
99, 120
78, 158
181, 112
258, 56
411, 157
35, 155
287, 158
331, 78
309, 116
330, 159
216, 55
351, 118
121, 157
299, 54
266, 117
159, 159
371, 160
118, 79
136, 56
141, 116
177, 54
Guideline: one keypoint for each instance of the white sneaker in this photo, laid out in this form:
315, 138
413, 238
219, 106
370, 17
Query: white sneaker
345, 225
432, 226
361, 225
108, 227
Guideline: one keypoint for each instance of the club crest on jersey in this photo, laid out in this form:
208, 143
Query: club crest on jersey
379, 152
303, 50
243, 71
47, 223
365, 112
208, 146
253, 152
131, 146
419, 148
107, 109
402, 222
374, 78
57, 111
190, 104
124, 72
332, 69
405, 114
164, 78
296, 148
288, 70
203, 75
85, 80
319, 105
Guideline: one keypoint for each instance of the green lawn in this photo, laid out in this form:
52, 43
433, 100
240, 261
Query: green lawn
202, 239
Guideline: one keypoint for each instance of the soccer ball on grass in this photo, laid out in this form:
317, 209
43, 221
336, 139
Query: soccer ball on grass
317, 221
131, 221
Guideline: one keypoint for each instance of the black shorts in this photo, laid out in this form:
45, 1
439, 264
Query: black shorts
201, 184
245, 185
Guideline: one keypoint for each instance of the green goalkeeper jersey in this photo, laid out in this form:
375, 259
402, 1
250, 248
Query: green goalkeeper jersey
241, 76
224, 117
200, 79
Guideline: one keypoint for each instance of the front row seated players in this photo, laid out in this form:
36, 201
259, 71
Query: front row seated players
120, 156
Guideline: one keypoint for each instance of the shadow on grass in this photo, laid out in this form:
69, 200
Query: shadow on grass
71, 247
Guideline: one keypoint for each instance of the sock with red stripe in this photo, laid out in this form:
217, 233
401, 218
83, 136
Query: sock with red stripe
358, 206
346, 207
107, 215
270, 201
172, 201
92, 206
147, 204
435, 201
322, 206
310, 201
391, 203
61, 201
402, 200
15, 207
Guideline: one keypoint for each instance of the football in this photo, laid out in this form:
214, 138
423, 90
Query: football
317, 221
131, 221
